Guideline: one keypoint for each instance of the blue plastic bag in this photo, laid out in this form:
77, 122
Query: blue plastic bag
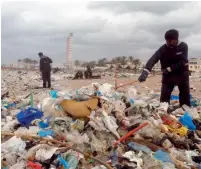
136, 146
25, 117
162, 156
174, 97
43, 125
44, 133
53, 94
187, 121
63, 162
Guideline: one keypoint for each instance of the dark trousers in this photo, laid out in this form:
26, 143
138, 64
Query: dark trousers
46, 79
184, 92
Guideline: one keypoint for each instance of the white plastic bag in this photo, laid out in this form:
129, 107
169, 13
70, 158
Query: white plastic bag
14, 144
97, 145
41, 152
133, 157
77, 138
9, 126
19, 165
110, 123
105, 88
132, 92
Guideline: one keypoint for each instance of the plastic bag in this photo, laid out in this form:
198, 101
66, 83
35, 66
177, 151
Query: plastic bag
132, 92
23, 130
139, 147
186, 120
162, 156
9, 126
163, 107
14, 144
77, 138
182, 131
41, 152
140, 103
63, 162
72, 158
53, 94
19, 165
78, 125
45, 133
174, 97
111, 125
25, 117
133, 157
11, 158
105, 88
34, 165
119, 105
97, 145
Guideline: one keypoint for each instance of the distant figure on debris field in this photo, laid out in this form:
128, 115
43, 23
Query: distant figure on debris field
88, 73
45, 69
173, 57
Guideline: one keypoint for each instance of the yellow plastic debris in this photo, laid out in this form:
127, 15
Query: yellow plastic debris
182, 131
79, 109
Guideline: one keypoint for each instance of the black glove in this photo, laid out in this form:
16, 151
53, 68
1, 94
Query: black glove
178, 65
143, 76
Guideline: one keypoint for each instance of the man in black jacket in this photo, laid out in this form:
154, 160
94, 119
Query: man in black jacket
173, 57
45, 69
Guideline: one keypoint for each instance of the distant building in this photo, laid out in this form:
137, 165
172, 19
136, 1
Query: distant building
195, 64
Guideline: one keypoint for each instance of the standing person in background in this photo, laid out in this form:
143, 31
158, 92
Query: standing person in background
45, 69
173, 57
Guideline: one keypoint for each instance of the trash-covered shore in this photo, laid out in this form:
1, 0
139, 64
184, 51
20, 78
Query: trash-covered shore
95, 127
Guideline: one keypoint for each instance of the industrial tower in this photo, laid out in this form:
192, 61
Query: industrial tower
69, 51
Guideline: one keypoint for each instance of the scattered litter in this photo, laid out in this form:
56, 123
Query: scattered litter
95, 126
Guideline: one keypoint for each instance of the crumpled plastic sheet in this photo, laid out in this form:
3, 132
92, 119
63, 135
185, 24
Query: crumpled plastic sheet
97, 145
97, 124
19, 165
14, 144
105, 88
9, 126
134, 158
76, 137
41, 152
162, 107
63, 123
23, 130
110, 123
11, 158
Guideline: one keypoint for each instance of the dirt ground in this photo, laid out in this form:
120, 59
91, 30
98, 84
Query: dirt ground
152, 83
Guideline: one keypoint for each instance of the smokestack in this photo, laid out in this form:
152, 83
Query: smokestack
69, 50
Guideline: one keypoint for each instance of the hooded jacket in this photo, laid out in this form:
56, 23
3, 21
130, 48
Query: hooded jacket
45, 64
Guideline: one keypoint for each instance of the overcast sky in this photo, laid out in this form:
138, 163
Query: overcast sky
100, 29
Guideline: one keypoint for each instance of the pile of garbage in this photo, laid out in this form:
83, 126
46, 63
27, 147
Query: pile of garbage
96, 127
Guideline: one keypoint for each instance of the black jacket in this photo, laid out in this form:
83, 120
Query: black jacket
45, 64
169, 56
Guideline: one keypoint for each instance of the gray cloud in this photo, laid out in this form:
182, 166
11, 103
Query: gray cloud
100, 29
146, 6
